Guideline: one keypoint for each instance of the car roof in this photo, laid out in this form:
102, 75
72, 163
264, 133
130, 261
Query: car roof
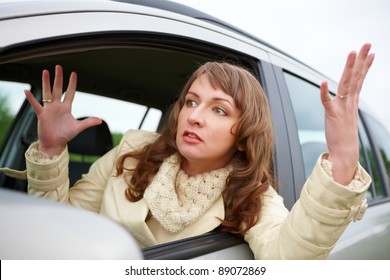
193, 13
19, 8
162, 8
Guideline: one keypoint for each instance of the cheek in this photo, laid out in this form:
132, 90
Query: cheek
226, 133
233, 129
231, 134
180, 117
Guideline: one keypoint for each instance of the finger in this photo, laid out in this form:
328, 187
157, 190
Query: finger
70, 91
360, 71
363, 69
324, 92
57, 85
88, 122
366, 67
363, 53
345, 80
46, 88
34, 103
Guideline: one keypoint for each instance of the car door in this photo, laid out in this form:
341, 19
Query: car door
365, 239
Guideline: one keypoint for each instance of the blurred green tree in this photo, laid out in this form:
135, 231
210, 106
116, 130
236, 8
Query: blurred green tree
6, 117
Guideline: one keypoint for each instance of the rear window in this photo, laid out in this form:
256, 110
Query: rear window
11, 99
120, 115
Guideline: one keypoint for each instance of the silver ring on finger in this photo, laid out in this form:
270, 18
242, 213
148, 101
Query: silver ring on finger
47, 100
342, 96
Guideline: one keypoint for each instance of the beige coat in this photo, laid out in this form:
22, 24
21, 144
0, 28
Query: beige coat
309, 231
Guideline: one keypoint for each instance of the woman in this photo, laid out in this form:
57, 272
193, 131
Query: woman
210, 166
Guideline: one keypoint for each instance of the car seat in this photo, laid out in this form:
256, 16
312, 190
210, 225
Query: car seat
86, 147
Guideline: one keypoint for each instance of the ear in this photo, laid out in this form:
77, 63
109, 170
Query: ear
240, 148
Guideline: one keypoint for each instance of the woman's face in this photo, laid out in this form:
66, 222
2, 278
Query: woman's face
205, 135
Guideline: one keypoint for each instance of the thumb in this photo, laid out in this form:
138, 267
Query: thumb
88, 122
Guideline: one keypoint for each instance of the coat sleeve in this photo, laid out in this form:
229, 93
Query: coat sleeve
315, 223
50, 180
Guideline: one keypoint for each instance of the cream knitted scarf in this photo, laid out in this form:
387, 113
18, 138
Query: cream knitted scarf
176, 200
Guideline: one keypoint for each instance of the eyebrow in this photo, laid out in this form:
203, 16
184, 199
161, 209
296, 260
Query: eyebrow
214, 98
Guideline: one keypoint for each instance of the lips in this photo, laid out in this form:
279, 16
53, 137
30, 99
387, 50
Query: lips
191, 136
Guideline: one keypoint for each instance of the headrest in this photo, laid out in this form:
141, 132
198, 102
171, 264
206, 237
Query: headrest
95, 140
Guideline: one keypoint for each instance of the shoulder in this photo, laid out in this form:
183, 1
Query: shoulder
273, 205
136, 139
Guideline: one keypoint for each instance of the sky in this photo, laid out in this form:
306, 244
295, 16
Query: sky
320, 33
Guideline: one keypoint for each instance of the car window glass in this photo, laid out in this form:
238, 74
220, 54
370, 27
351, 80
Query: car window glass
11, 99
309, 115
151, 120
367, 160
118, 114
382, 140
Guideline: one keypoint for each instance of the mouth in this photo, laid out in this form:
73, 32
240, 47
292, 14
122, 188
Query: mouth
192, 135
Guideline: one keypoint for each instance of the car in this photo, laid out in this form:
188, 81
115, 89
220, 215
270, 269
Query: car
132, 59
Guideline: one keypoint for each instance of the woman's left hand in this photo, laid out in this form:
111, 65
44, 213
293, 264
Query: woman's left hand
341, 115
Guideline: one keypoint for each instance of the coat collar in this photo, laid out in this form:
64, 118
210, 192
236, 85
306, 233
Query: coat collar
134, 215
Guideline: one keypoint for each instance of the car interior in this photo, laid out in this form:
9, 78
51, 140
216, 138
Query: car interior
83, 146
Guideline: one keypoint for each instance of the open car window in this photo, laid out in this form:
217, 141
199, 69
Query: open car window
128, 82
119, 115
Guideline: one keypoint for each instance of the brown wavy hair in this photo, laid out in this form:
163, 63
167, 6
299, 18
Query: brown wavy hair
252, 164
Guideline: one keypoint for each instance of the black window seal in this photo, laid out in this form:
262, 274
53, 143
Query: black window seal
193, 247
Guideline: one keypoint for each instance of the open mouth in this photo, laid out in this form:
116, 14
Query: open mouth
191, 135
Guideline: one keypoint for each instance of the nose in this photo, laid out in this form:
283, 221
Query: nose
196, 117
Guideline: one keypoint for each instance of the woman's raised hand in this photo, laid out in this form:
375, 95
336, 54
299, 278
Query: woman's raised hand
56, 125
341, 115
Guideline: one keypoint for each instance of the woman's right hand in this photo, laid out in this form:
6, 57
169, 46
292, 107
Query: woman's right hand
56, 124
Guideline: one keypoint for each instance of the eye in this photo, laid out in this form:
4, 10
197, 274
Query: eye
190, 103
220, 111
